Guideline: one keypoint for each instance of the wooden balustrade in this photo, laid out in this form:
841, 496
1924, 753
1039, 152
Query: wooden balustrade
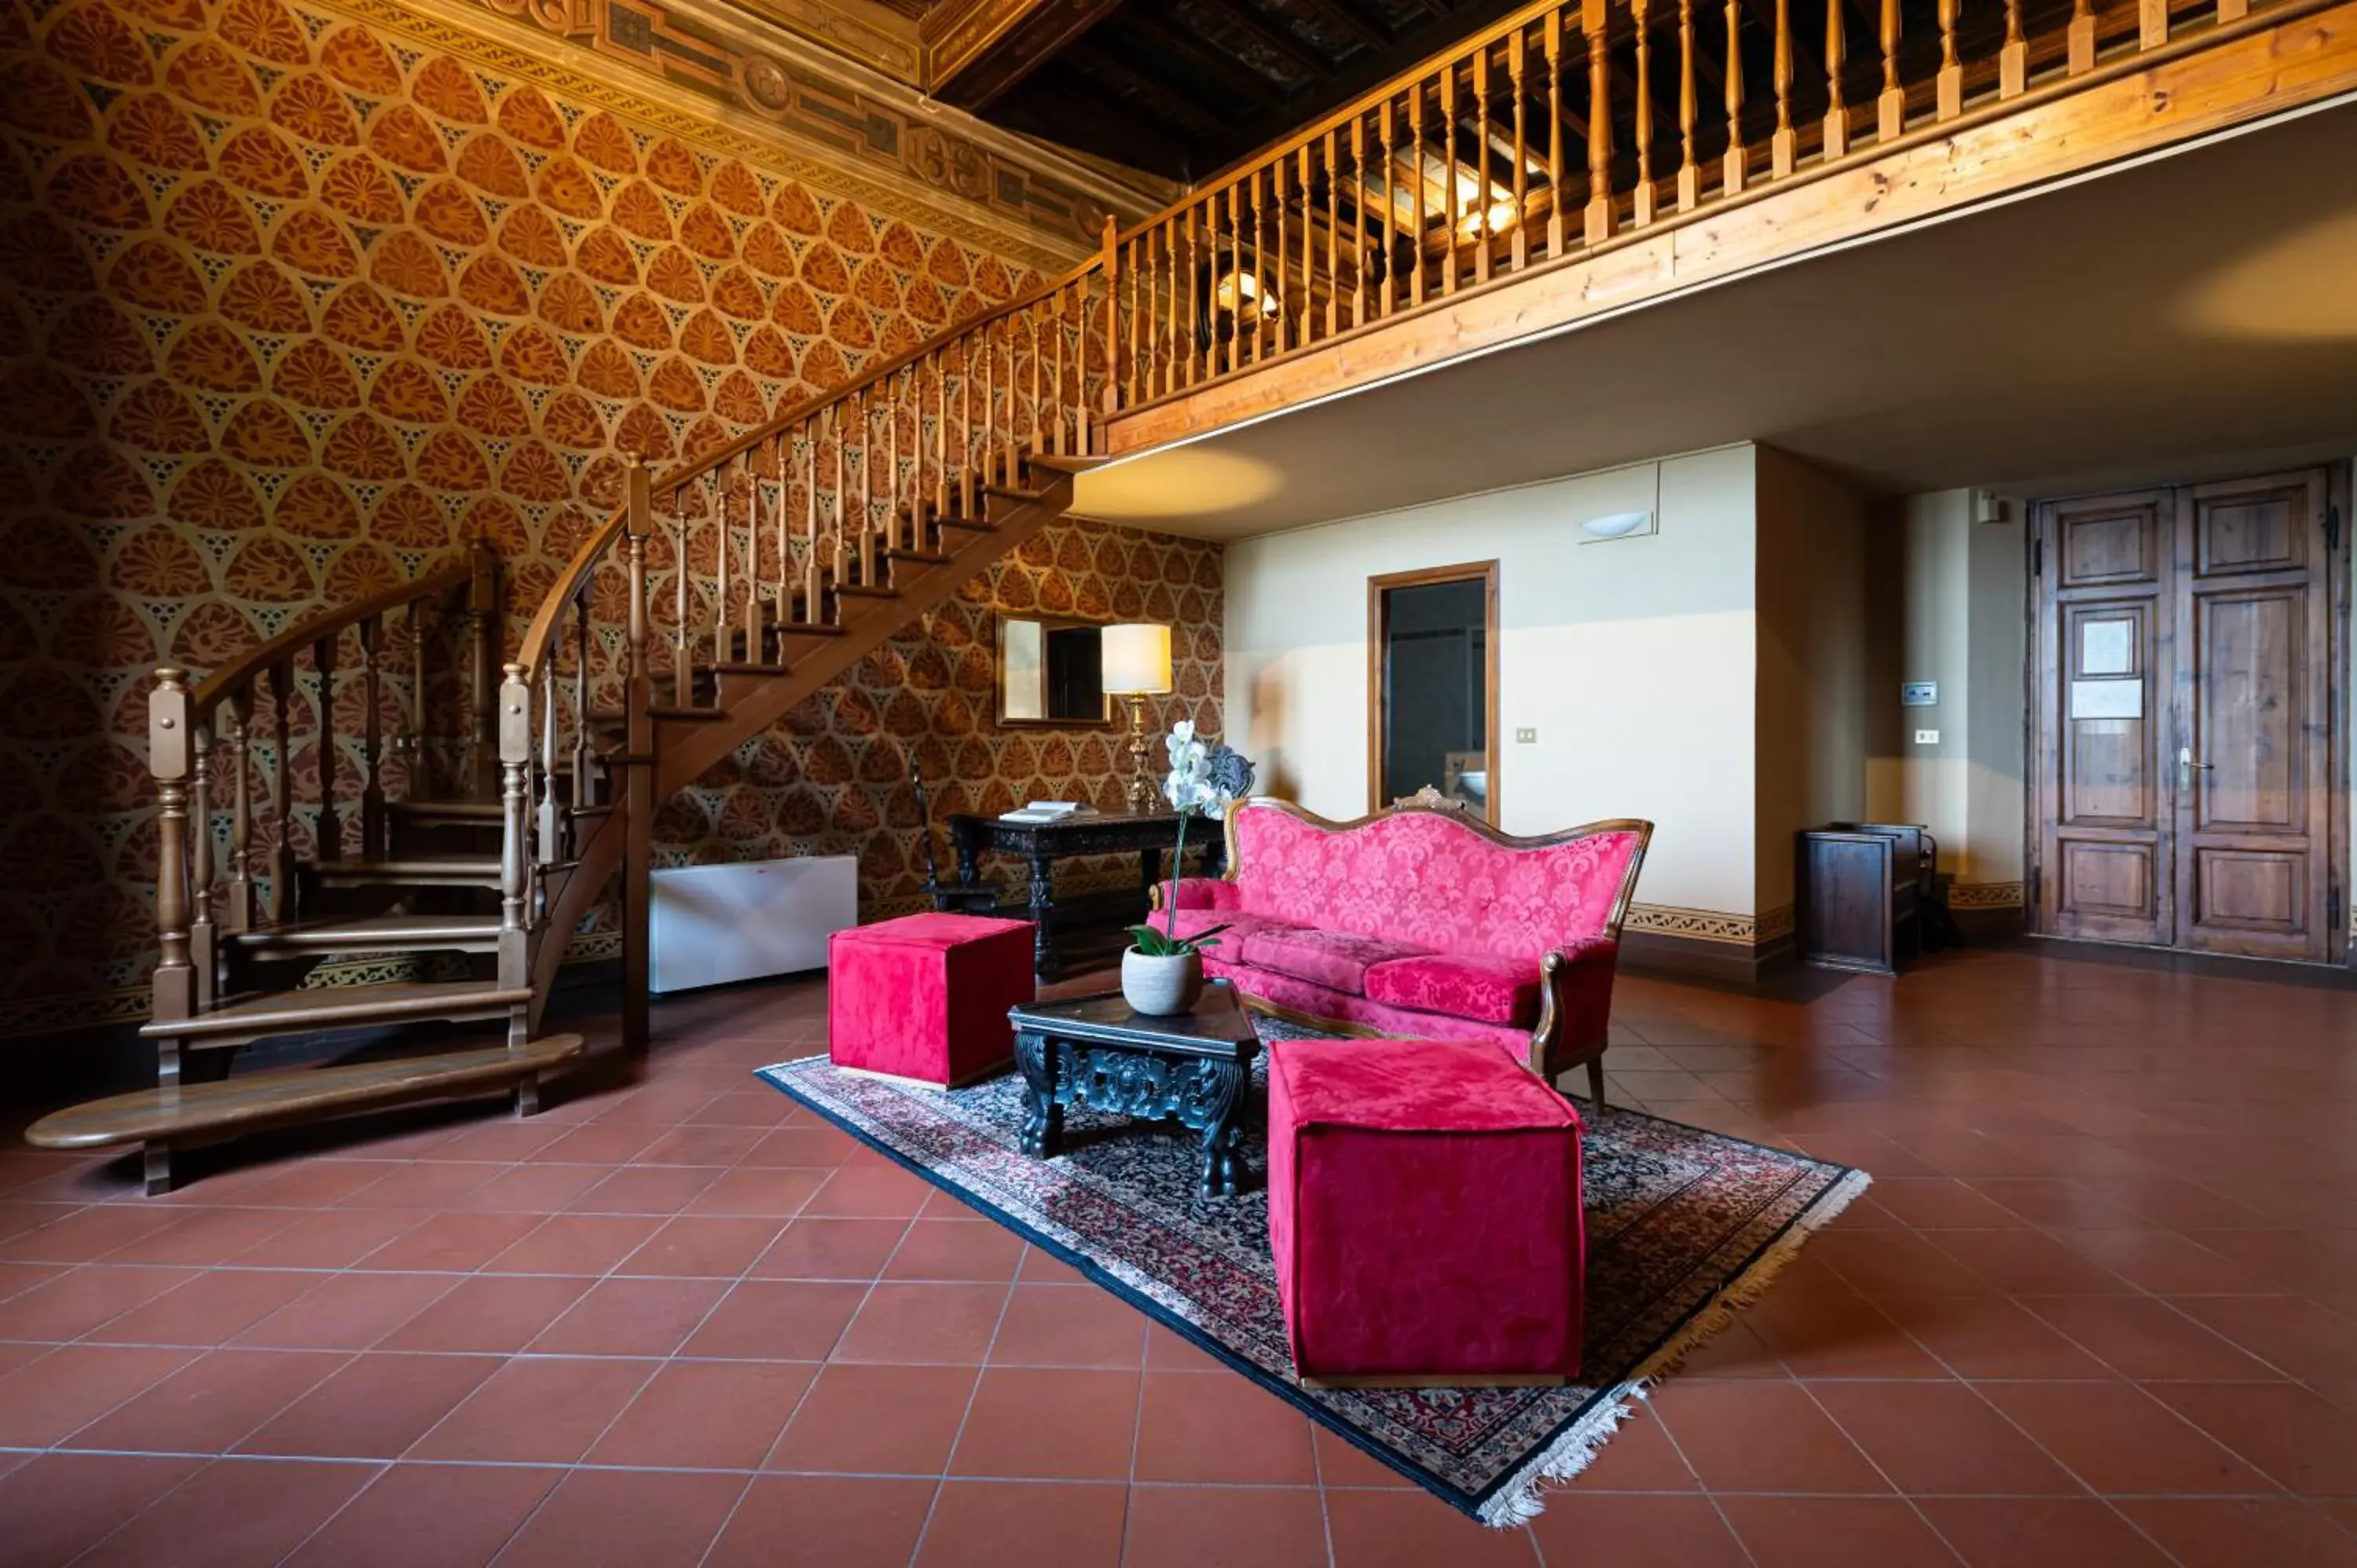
214, 878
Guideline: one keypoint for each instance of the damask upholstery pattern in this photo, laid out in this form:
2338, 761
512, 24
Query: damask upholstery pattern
1378, 879
289, 309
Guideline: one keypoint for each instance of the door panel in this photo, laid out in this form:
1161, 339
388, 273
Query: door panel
2186, 757
2254, 831
2102, 642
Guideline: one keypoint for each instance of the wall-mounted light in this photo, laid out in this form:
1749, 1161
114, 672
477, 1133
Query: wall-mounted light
1618, 525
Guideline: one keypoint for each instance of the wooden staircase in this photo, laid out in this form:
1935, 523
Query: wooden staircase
449, 867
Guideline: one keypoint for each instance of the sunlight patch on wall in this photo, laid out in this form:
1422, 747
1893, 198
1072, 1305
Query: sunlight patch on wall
2294, 288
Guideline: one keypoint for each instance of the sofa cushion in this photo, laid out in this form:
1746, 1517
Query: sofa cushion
1337, 959
1193, 923
1464, 986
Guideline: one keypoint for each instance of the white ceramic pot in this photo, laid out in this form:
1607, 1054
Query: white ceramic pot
1161, 985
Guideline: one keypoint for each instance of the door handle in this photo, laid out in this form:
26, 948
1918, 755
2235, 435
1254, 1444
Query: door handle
2186, 764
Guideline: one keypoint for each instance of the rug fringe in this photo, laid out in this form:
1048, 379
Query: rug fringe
1521, 1500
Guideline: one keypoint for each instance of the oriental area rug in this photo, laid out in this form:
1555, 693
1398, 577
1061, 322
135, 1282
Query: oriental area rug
1684, 1226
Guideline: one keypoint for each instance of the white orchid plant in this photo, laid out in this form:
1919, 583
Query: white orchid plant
1203, 778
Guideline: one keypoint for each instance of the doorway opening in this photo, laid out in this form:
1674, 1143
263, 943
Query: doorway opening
1432, 640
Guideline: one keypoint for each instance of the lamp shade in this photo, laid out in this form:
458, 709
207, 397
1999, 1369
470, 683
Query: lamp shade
1136, 659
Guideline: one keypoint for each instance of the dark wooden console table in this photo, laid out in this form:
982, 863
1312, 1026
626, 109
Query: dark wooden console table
1041, 844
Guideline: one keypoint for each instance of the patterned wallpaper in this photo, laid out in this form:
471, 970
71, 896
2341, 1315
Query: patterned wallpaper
289, 307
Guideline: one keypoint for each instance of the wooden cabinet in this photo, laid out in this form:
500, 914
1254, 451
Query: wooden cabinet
1868, 895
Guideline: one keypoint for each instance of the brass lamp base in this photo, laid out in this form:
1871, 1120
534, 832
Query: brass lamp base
1142, 793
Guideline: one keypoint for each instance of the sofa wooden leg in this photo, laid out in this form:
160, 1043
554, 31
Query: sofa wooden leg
1595, 1081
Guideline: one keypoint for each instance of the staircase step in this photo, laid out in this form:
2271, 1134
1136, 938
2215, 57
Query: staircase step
339, 1007
254, 1101
376, 933
457, 871
968, 524
922, 557
1058, 463
661, 710
420, 814
1010, 493
867, 590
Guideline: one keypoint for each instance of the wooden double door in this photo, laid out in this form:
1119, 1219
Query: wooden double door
2186, 751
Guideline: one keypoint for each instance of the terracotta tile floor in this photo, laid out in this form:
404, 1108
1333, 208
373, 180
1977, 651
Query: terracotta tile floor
2100, 1307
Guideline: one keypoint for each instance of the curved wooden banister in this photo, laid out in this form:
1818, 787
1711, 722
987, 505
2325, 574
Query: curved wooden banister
250, 666
539, 635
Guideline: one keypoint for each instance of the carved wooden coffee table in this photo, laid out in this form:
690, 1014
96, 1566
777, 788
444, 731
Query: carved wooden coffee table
1094, 1051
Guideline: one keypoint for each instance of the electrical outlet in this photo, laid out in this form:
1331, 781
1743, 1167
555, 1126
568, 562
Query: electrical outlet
1526, 737
1927, 737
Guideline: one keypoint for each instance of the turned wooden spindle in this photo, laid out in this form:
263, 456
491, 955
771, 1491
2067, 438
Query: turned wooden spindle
1734, 165
2152, 24
372, 823
681, 685
1387, 217
811, 558
1416, 189
716, 489
1595, 22
1358, 220
1518, 253
1891, 108
637, 521
584, 750
2013, 60
282, 856
1689, 172
549, 813
1299, 305
1453, 235
1484, 231
327, 829
1554, 130
203, 946
482, 620
1950, 91
1642, 211
1836, 138
238, 913
1783, 148
515, 868
1333, 238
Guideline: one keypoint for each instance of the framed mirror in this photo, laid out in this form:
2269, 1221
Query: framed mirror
1432, 646
1052, 673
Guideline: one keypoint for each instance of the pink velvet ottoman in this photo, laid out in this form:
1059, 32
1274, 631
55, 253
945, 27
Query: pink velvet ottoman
1424, 1208
925, 997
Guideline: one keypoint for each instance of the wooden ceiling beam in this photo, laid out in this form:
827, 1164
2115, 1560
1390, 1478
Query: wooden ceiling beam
1088, 60
1347, 16
1247, 20
976, 50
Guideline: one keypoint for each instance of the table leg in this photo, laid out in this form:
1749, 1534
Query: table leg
969, 857
1043, 905
1222, 1092
1043, 1117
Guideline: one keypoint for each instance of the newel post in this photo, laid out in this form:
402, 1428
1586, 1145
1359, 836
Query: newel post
515, 759
169, 757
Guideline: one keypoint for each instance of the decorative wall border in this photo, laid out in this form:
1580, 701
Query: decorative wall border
796, 108
1710, 925
1985, 896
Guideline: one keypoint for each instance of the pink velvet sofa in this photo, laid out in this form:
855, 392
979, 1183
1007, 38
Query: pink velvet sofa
1424, 923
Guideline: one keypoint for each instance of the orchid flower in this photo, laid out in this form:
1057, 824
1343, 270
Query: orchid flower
1203, 778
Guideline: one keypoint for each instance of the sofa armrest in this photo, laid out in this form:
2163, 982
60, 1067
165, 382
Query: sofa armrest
1575, 1008
1198, 893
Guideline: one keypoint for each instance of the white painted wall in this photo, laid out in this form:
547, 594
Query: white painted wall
1634, 660
1947, 598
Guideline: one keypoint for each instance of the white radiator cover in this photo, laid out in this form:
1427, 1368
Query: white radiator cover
714, 924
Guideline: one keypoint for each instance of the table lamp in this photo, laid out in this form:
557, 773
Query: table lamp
1137, 666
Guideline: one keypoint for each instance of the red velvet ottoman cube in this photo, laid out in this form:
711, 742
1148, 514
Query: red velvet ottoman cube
925, 997
1424, 1211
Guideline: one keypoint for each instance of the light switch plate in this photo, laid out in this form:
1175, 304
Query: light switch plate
1526, 737
1927, 737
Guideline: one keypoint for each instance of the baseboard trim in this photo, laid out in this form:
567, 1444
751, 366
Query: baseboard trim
1695, 958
